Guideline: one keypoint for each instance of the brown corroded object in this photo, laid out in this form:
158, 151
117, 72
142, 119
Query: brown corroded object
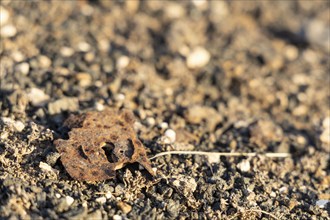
100, 143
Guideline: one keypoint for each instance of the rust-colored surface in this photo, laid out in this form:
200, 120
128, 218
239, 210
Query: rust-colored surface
100, 143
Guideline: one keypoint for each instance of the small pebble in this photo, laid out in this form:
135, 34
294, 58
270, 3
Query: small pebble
163, 125
17, 56
17, 125
84, 79
83, 46
108, 195
171, 135
322, 203
4, 16
37, 97
63, 104
150, 121
44, 61
213, 159
23, 68
122, 62
119, 97
198, 58
117, 217
8, 30
124, 207
99, 106
244, 166
101, 200
69, 200
57, 195
66, 51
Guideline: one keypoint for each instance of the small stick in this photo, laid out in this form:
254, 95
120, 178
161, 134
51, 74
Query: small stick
226, 154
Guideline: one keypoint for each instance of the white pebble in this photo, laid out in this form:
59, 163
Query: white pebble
273, 194
119, 97
326, 123
244, 166
37, 97
23, 68
171, 135
83, 46
322, 203
108, 195
17, 125
17, 56
44, 61
213, 159
101, 200
8, 30
69, 200
150, 121
198, 58
117, 217
99, 106
57, 195
4, 16
283, 189
66, 51
163, 125
122, 62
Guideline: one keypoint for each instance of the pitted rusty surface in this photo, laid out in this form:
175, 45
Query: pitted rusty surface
100, 143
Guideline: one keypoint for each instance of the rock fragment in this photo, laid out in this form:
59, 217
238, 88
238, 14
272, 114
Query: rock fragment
198, 58
63, 104
37, 97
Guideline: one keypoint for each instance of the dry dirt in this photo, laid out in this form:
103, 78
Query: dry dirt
215, 76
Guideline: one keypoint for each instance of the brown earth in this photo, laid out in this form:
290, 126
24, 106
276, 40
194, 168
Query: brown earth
206, 76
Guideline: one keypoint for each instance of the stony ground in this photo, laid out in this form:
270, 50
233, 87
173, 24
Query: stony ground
204, 76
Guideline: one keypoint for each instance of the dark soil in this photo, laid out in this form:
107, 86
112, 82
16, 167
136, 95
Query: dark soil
215, 76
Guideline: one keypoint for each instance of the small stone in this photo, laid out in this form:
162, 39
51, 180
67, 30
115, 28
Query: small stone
44, 61
117, 217
69, 200
291, 52
163, 125
122, 62
174, 10
272, 194
4, 16
132, 6
8, 30
326, 123
101, 200
84, 79
150, 121
201, 4
16, 125
83, 46
23, 68
63, 104
108, 195
171, 135
17, 56
213, 159
47, 168
99, 106
119, 97
198, 58
244, 166
322, 203
283, 190
124, 207
57, 195
325, 136
66, 51
37, 97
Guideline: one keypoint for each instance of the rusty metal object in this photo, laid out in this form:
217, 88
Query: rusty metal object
100, 143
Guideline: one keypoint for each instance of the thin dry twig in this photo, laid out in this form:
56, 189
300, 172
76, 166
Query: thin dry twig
226, 154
